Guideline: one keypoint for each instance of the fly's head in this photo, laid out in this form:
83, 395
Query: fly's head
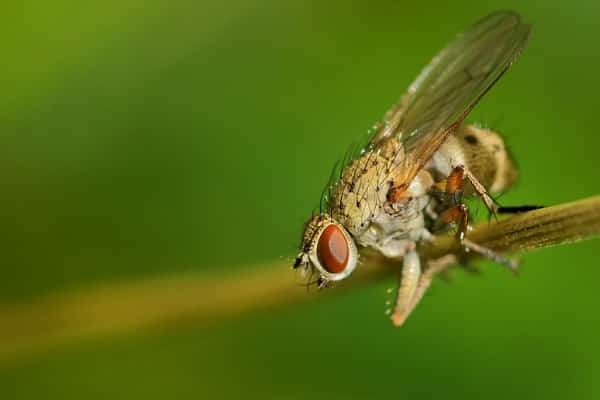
327, 249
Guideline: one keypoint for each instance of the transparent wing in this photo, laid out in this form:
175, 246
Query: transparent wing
450, 86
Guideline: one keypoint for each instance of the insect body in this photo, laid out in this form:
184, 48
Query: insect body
410, 180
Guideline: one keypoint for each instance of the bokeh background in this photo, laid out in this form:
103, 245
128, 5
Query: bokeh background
150, 138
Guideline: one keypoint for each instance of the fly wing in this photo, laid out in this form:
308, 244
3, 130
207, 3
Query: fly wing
438, 101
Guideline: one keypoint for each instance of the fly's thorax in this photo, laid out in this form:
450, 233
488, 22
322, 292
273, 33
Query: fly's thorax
390, 234
359, 200
402, 221
483, 152
360, 194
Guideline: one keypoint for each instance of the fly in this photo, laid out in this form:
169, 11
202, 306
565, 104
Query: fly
421, 161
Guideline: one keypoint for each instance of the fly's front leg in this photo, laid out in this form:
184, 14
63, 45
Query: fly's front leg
434, 267
411, 273
414, 284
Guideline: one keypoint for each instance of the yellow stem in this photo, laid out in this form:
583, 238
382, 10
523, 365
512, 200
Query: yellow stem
61, 318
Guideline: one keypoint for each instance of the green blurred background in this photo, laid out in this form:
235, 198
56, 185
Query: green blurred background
142, 138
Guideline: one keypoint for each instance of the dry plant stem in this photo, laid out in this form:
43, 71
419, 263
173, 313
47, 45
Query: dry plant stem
163, 302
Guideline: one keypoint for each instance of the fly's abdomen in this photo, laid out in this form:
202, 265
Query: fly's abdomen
482, 151
488, 158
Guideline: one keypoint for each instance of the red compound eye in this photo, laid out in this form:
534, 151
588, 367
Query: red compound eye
332, 250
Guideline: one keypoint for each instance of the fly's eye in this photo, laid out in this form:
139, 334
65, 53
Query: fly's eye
333, 250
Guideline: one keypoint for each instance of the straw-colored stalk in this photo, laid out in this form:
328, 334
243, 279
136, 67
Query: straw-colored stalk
94, 312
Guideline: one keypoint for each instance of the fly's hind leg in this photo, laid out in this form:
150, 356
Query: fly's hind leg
479, 188
457, 212
453, 185
490, 254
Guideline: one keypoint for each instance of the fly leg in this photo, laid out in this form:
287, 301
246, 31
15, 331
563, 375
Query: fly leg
434, 267
458, 213
449, 193
479, 188
490, 254
462, 171
414, 284
453, 185
411, 274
